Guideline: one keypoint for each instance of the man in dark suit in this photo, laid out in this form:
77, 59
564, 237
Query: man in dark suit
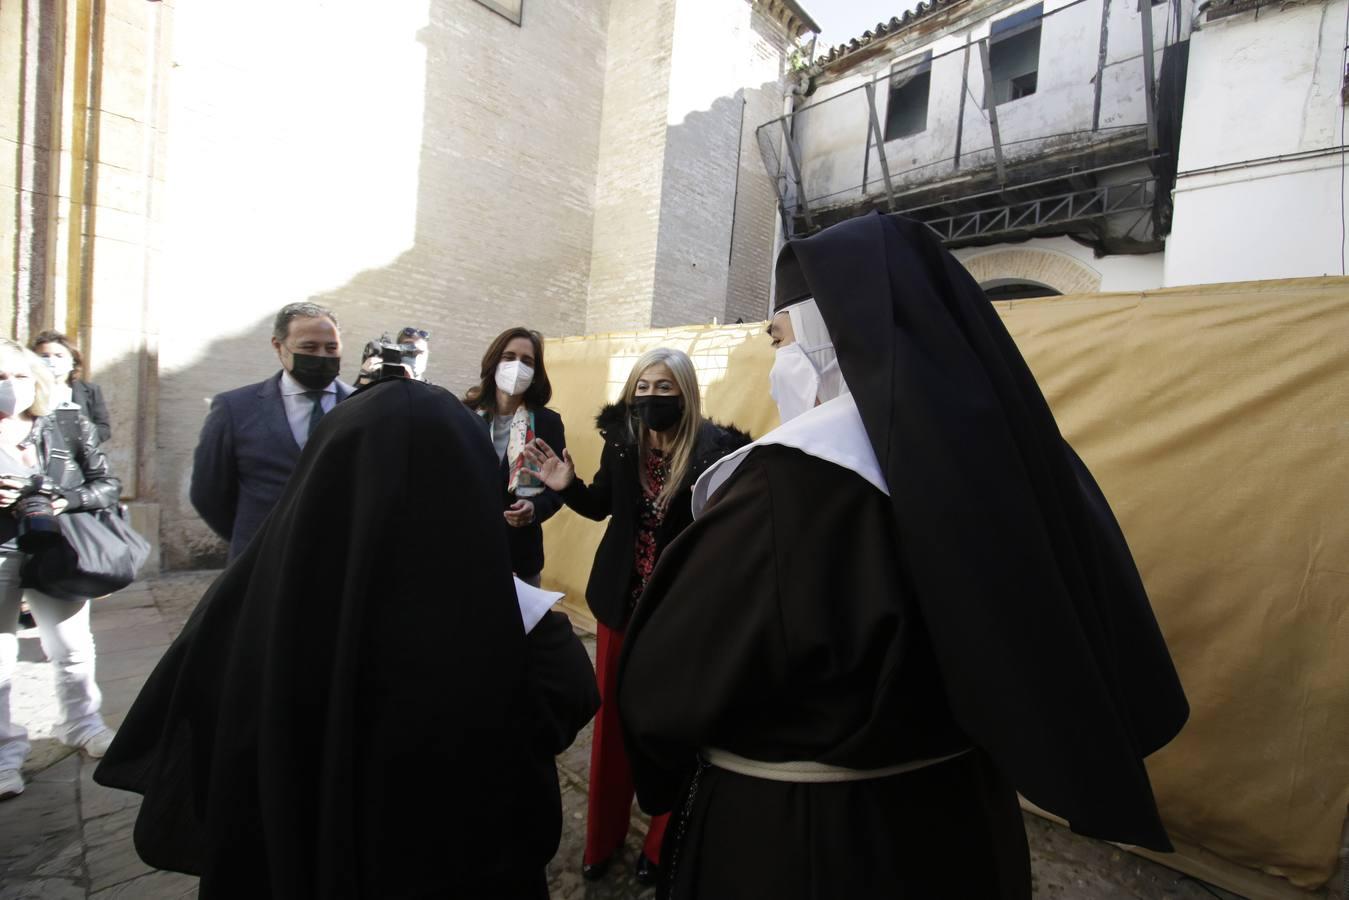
253, 435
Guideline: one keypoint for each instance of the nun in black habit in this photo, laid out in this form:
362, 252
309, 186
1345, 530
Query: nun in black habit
902, 606
354, 709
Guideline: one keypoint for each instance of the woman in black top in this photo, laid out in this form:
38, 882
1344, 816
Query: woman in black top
656, 444
66, 363
512, 399
32, 446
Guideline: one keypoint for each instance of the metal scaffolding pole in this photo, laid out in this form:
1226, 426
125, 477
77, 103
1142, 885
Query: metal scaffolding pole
964, 92
1101, 54
1149, 80
795, 156
880, 145
991, 104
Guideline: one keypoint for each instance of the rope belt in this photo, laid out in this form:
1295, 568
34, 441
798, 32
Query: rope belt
805, 772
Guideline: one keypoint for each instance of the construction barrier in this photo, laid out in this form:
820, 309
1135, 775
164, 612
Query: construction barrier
1216, 420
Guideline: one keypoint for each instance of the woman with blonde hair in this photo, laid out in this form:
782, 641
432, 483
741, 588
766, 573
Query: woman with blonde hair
656, 444
43, 476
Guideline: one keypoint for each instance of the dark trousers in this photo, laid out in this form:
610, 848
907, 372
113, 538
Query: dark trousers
611, 789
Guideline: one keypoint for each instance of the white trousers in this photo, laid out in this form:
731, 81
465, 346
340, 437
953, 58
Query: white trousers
63, 626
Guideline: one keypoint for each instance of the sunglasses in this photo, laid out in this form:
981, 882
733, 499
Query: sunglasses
415, 332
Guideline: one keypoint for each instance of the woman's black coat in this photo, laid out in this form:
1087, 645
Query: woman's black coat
89, 398
616, 492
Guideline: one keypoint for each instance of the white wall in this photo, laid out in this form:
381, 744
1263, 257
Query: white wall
1259, 89
1270, 221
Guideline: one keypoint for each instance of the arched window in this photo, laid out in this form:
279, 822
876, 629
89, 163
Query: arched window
1017, 289
1041, 272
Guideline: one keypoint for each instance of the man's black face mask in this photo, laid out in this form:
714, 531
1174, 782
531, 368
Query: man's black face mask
314, 372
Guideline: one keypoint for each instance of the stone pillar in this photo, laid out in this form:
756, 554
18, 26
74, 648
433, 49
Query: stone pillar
82, 105
31, 69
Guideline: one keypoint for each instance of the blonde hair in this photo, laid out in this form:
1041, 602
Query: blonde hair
43, 383
690, 420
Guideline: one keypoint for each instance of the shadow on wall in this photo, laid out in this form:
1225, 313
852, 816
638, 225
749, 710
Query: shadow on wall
481, 258
497, 242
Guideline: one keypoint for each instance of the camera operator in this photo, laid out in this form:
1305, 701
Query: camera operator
40, 478
414, 354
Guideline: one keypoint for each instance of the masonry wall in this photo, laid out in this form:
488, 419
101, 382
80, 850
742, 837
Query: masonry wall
756, 212
80, 173
726, 77
423, 163
180, 173
631, 165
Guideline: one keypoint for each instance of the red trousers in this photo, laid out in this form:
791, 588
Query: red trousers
611, 790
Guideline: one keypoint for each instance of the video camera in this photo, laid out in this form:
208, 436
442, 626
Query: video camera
396, 360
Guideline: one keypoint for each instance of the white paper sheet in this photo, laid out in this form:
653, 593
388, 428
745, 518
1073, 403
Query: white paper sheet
534, 602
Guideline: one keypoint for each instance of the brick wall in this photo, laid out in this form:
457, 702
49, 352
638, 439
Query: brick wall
684, 210
717, 204
756, 216
424, 163
631, 164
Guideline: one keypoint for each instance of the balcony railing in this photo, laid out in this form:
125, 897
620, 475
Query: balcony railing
1087, 109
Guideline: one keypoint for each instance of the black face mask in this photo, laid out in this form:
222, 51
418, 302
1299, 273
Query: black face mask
314, 372
659, 413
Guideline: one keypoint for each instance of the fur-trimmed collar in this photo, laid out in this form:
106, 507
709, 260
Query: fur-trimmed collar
713, 438
612, 419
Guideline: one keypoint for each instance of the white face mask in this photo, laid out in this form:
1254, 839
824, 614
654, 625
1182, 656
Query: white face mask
60, 366
16, 396
419, 365
514, 377
793, 382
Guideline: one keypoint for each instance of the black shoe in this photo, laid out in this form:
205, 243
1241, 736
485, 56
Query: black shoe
595, 871
648, 873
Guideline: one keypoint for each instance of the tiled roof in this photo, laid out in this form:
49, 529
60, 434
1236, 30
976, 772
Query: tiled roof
884, 30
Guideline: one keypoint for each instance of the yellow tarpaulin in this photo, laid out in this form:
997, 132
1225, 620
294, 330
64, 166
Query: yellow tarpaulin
1216, 420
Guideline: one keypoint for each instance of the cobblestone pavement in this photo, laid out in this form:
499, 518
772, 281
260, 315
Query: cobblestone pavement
66, 838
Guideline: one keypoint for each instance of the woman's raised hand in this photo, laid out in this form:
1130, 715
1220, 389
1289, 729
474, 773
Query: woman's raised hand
554, 471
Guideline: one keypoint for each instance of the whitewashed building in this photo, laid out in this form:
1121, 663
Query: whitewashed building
1066, 146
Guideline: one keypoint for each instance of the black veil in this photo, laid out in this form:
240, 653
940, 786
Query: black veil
338, 717
1052, 659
